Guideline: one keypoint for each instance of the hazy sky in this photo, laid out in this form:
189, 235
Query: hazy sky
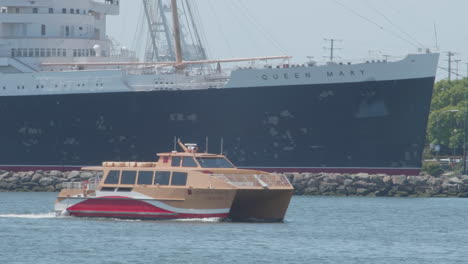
250, 28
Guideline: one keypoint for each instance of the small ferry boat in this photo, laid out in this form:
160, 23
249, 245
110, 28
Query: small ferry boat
180, 185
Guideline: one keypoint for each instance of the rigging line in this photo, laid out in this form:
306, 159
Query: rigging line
251, 34
393, 24
189, 28
195, 29
141, 33
435, 35
265, 32
201, 32
137, 31
200, 28
246, 15
218, 24
149, 50
374, 23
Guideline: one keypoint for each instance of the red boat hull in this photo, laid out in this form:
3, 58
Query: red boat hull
130, 208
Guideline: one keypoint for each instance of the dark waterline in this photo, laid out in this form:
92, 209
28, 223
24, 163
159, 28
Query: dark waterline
316, 230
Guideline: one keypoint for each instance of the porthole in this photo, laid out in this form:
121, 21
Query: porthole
37, 86
42, 86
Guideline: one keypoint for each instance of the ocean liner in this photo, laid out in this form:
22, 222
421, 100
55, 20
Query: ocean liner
69, 98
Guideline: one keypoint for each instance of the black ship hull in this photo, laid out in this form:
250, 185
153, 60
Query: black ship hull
367, 126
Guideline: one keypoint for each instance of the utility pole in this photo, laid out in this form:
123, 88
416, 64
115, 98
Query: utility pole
450, 55
464, 132
466, 70
456, 63
332, 47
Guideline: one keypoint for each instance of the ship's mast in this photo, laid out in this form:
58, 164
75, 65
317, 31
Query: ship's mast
159, 32
175, 20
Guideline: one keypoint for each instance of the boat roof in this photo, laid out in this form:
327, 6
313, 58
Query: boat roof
189, 150
190, 154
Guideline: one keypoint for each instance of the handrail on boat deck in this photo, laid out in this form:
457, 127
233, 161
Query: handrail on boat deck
88, 185
254, 180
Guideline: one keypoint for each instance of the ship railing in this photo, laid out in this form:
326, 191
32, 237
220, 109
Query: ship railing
88, 185
254, 180
180, 86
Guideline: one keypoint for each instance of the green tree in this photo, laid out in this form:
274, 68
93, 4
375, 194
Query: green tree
446, 124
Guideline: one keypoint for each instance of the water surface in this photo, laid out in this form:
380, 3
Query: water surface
316, 230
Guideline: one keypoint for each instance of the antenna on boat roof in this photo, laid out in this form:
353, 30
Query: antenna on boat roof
206, 145
222, 143
175, 143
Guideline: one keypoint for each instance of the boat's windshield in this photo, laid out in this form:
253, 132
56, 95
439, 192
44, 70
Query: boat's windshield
214, 163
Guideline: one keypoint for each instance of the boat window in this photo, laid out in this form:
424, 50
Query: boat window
214, 163
124, 189
175, 162
189, 162
162, 177
112, 177
179, 179
145, 177
107, 189
128, 177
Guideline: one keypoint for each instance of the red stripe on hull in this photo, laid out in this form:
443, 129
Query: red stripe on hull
117, 204
150, 217
123, 207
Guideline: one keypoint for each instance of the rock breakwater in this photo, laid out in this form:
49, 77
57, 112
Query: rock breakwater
327, 184
41, 181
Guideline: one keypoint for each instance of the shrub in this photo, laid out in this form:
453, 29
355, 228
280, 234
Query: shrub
433, 168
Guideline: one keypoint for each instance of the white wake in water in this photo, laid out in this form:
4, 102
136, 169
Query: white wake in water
28, 216
207, 220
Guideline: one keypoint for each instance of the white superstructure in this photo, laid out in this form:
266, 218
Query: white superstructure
66, 31
61, 47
